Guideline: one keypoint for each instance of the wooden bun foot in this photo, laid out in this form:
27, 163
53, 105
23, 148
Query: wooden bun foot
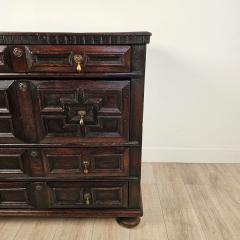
128, 222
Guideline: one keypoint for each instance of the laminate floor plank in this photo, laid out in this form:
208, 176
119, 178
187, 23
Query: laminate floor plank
152, 225
10, 228
211, 221
73, 229
179, 215
180, 201
108, 229
27, 230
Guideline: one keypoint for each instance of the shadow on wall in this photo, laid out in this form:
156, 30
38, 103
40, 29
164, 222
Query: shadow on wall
172, 86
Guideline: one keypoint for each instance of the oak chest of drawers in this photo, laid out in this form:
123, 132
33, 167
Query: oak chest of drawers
71, 107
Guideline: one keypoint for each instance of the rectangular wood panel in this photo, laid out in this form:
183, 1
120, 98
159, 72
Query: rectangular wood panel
93, 58
88, 194
15, 195
86, 162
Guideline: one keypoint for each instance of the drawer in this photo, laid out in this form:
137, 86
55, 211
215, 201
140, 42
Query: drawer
64, 111
65, 59
63, 195
83, 111
86, 162
64, 162
88, 195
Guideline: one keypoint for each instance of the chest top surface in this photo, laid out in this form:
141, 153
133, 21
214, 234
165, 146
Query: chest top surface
106, 38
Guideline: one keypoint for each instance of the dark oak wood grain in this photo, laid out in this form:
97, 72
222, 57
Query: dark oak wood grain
71, 109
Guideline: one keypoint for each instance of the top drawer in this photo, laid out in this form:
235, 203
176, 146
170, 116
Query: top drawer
65, 59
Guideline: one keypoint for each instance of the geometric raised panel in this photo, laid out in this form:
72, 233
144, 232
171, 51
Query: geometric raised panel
14, 195
11, 126
6, 125
108, 161
12, 161
4, 107
105, 105
67, 196
11, 164
107, 196
64, 164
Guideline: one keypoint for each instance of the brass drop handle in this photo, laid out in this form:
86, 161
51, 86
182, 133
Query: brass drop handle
78, 60
86, 165
87, 198
82, 115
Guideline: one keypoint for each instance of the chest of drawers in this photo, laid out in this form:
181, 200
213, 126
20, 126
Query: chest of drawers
71, 107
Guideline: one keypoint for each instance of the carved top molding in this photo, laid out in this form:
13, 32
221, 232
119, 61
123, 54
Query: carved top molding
116, 38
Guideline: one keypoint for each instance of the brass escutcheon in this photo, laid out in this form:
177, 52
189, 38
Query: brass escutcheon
17, 52
38, 187
22, 86
34, 154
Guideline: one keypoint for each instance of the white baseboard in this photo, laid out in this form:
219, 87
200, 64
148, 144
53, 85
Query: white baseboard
191, 155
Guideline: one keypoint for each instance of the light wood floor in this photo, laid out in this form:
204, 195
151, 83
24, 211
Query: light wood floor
181, 202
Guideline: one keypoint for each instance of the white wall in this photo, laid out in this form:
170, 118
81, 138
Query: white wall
192, 101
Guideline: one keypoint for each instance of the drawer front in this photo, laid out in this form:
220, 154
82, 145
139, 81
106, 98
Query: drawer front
64, 111
43, 195
86, 162
64, 162
82, 111
88, 195
65, 59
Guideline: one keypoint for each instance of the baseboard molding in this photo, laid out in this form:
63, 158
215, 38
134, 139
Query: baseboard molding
191, 155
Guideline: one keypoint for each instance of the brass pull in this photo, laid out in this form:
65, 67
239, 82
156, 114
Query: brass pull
22, 86
82, 115
78, 59
17, 52
87, 198
86, 166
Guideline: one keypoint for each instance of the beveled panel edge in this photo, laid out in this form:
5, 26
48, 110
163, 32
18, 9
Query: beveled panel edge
46, 38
